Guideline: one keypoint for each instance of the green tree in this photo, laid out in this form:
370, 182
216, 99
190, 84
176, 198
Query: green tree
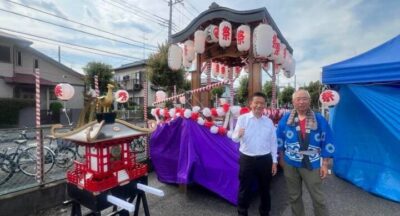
243, 91
161, 75
285, 97
217, 91
314, 88
104, 73
267, 89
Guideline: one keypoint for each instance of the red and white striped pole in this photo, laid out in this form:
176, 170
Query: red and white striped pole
274, 71
231, 90
39, 148
97, 90
145, 100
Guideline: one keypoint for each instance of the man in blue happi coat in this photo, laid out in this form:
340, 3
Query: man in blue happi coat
305, 144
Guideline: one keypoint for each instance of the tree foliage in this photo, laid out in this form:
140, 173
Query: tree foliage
314, 88
104, 73
243, 91
161, 75
285, 97
217, 91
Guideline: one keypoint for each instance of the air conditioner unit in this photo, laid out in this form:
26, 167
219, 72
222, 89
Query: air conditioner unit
126, 78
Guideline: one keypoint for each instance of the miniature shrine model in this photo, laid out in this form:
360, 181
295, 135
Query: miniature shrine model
110, 167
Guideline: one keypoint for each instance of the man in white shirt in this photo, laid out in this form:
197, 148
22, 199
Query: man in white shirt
258, 155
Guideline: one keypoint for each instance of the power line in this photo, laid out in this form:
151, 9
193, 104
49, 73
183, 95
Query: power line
142, 10
183, 14
68, 47
192, 6
76, 22
189, 11
78, 30
90, 48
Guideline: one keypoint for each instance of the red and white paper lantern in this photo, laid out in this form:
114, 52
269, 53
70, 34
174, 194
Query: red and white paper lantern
121, 96
281, 55
186, 63
236, 71
262, 41
174, 57
215, 69
225, 34
329, 98
212, 32
199, 41
243, 38
64, 91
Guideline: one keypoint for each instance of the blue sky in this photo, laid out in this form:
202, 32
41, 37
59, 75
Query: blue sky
320, 32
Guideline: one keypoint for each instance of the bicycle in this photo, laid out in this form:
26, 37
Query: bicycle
7, 168
63, 154
26, 159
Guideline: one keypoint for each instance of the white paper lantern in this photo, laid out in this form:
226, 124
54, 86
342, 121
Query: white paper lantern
199, 41
262, 41
236, 71
160, 96
276, 48
225, 34
223, 71
287, 61
282, 50
188, 50
186, 63
329, 98
212, 34
121, 96
290, 71
243, 38
64, 91
215, 69
174, 57
182, 100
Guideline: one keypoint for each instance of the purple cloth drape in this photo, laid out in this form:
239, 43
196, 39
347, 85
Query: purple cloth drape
183, 151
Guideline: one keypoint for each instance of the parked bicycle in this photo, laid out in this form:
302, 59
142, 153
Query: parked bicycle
6, 168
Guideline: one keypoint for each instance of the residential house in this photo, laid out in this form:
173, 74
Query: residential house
18, 61
131, 78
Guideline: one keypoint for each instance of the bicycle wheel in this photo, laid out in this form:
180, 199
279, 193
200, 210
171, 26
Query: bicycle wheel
6, 168
65, 157
27, 160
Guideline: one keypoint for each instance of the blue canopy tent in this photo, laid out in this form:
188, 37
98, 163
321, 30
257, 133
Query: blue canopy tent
366, 122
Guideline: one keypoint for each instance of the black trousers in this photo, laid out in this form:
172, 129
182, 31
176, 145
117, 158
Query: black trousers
251, 169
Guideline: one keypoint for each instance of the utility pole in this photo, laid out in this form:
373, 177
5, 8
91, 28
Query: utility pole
295, 82
170, 4
59, 54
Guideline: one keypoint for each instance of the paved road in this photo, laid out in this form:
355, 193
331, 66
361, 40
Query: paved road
343, 198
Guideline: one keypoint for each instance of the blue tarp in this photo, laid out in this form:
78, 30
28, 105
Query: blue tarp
381, 64
366, 122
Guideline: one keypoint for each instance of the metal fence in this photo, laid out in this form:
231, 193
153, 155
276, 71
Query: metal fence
18, 152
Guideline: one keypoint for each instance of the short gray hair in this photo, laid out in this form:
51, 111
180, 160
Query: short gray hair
300, 90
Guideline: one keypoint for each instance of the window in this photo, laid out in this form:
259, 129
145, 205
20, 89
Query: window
5, 54
19, 58
36, 64
24, 92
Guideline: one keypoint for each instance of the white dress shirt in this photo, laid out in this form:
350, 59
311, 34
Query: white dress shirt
259, 136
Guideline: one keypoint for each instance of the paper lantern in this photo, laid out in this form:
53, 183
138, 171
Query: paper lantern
64, 91
222, 70
182, 100
186, 63
199, 41
276, 45
243, 38
121, 96
215, 69
160, 96
329, 98
174, 57
212, 34
236, 71
289, 72
280, 59
287, 61
262, 41
188, 50
225, 34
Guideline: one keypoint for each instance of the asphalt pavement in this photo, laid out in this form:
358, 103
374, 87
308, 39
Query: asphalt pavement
343, 199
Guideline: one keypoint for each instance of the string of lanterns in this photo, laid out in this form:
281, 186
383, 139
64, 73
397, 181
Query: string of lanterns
266, 47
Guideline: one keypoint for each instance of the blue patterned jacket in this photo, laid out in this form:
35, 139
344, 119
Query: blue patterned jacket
320, 141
